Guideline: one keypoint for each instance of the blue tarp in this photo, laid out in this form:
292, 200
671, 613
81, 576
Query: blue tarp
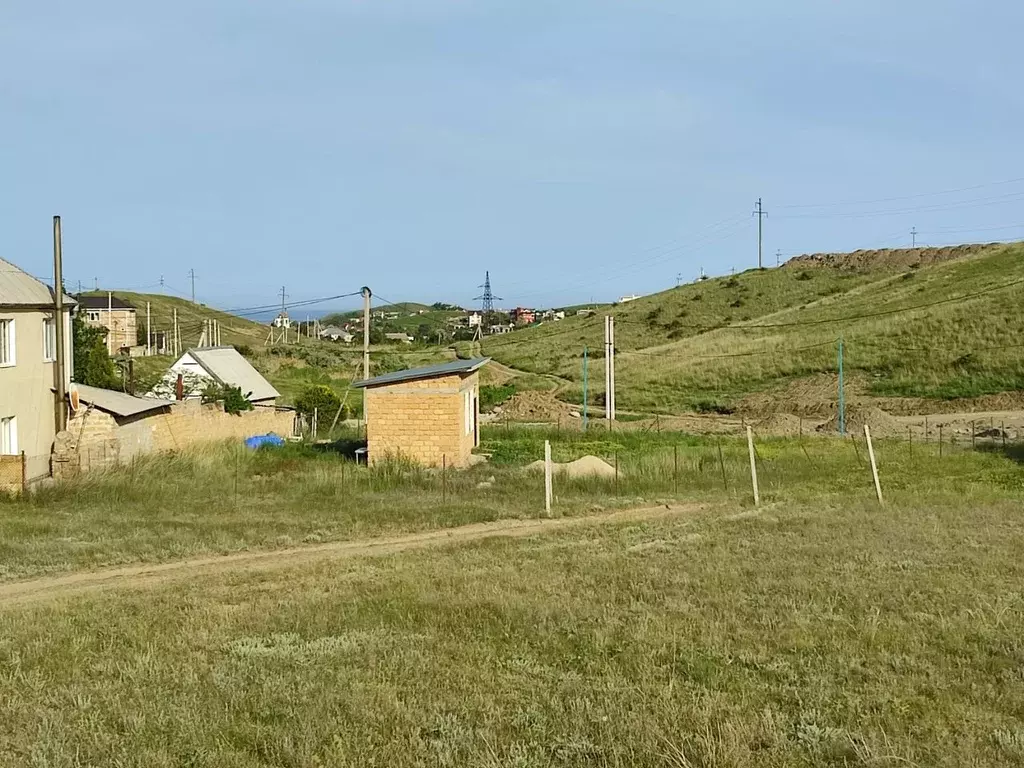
259, 441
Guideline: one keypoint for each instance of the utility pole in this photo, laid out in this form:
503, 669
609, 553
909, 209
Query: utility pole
759, 212
366, 333
175, 339
679, 278
149, 331
192, 275
95, 283
778, 258
79, 286
585, 366
913, 237
59, 366
110, 322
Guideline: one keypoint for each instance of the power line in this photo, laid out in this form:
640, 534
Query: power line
905, 197
982, 202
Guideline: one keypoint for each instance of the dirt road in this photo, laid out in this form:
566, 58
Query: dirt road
154, 575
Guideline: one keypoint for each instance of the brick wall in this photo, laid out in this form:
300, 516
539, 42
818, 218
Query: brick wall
95, 440
423, 421
12, 474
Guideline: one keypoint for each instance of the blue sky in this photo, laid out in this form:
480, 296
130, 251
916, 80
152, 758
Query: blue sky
577, 150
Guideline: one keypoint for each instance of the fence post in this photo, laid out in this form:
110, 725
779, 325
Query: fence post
753, 466
874, 467
444, 478
24, 473
547, 477
940, 441
616, 473
1002, 431
675, 468
910, 441
721, 461
974, 439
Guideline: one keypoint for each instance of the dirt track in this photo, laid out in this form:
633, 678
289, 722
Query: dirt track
154, 575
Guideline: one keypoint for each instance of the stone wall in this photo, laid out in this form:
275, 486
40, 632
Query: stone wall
423, 421
95, 439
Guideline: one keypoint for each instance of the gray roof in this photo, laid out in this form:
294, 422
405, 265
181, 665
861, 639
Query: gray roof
119, 403
101, 301
333, 329
427, 372
227, 366
20, 289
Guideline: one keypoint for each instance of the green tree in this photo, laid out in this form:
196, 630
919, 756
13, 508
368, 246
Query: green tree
93, 365
318, 397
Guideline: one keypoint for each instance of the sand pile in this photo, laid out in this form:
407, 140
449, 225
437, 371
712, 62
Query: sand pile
881, 423
813, 397
585, 466
535, 406
783, 425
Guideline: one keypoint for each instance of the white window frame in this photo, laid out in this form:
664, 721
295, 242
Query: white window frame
93, 315
7, 328
9, 436
467, 400
49, 339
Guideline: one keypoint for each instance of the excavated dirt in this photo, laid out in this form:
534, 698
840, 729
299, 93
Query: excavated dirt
585, 466
881, 423
535, 406
890, 257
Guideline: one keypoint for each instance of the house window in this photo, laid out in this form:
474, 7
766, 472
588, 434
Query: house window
6, 342
92, 315
9, 436
49, 340
467, 404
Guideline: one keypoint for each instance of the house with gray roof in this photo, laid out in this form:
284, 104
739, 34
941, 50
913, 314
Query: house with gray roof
224, 366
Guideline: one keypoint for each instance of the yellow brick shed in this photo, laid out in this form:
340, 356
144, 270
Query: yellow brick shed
425, 414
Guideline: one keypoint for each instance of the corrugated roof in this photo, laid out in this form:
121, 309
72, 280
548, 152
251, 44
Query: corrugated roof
20, 289
119, 403
228, 367
426, 372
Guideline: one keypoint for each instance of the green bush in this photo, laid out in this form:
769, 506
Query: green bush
492, 395
234, 401
93, 365
320, 398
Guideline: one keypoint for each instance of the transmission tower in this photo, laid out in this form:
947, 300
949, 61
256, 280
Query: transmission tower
488, 297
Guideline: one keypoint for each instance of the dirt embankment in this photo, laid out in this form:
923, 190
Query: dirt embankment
891, 257
535, 406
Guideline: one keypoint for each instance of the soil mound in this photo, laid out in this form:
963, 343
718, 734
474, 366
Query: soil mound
782, 425
880, 422
898, 258
813, 397
585, 466
534, 406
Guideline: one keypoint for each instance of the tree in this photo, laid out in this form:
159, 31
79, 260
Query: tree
424, 331
93, 366
320, 398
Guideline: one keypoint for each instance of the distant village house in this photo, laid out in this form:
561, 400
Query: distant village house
334, 333
114, 315
223, 366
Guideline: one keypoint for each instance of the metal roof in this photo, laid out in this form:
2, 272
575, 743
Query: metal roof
20, 289
119, 403
427, 372
97, 301
227, 366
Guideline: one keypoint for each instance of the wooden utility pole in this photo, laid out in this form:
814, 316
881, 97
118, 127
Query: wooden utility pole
60, 364
110, 322
175, 339
192, 276
367, 293
149, 331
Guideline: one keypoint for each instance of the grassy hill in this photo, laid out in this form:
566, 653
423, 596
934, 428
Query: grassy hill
234, 329
411, 317
912, 324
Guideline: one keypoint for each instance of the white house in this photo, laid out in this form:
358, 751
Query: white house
334, 333
282, 320
402, 337
199, 368
627, 299
475, 319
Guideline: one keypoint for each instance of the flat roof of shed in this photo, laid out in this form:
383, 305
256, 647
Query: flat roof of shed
426, 372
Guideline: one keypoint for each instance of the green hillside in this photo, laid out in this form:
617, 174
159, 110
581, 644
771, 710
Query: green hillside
412, 318
234, 329
919, 327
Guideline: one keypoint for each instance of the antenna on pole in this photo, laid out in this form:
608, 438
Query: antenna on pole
488, 297
913, 237
778, 257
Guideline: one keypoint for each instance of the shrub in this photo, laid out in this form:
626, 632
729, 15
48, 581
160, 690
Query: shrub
92, 363
737, 303
320, 398
805, 275
712, 406
232, 398
492, 395
732, 282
